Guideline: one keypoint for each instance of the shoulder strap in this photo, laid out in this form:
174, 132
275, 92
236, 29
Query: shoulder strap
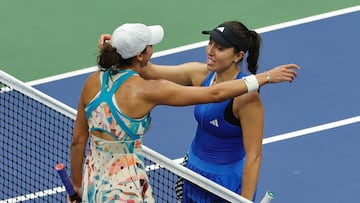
107, 95
241, 75
121, 80
208, 79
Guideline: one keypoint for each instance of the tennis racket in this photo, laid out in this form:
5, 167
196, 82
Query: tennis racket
74, 197
268, 197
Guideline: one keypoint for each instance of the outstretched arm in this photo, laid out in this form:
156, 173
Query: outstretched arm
193, 73
168, 93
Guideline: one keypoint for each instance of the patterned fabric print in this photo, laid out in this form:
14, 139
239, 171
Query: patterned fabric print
102, 118
103, 114
115, 172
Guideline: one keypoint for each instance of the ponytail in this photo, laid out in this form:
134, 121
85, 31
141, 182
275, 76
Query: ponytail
254, 51
252, 40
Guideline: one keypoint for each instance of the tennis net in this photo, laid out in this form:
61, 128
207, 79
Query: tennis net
35, 135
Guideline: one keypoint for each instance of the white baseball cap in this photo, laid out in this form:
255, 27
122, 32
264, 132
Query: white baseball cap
131, 39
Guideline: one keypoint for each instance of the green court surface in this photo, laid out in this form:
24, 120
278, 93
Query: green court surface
39, 38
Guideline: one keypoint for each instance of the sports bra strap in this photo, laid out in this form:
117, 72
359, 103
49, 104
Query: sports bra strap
117, 83
107, 95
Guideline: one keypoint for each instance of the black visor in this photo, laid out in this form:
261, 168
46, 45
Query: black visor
223, 36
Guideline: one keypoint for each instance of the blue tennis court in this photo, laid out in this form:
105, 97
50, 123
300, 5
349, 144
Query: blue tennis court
311, 126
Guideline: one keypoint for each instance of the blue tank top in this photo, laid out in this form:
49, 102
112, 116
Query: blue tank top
216, 141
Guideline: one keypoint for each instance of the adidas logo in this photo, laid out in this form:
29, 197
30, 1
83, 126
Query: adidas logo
214, 123
221, 29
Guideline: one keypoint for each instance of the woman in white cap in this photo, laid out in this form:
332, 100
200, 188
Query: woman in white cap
114, 113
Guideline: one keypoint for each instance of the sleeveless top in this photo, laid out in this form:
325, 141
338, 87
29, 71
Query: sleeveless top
103, 114
217, 140
114, 171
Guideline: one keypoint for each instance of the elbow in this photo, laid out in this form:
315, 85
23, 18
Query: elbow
258, 158
77, 144
220, 93
74, 146
219, 96
254, 157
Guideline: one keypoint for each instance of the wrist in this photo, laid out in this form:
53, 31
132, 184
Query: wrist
263, 78
268, 79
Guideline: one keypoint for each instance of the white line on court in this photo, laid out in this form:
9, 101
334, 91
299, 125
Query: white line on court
268, 140
34, 195
204, 43
306, 131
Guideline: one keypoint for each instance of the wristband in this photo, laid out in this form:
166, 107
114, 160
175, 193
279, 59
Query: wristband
251, 83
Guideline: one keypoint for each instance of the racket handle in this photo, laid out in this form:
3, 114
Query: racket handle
75, 198
67, 183
268, 197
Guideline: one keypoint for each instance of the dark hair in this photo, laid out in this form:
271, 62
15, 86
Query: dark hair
108, 58
252, 40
